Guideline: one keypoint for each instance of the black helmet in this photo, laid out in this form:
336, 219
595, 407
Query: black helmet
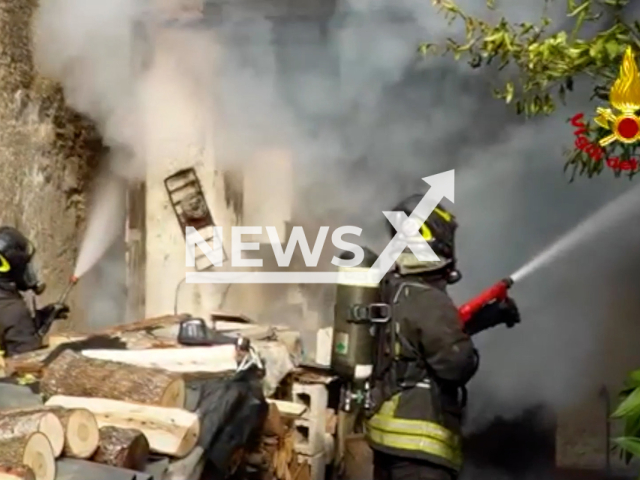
16, 252
438, 230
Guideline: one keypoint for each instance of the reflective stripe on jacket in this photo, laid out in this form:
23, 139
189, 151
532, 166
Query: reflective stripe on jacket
423, 358
388, 432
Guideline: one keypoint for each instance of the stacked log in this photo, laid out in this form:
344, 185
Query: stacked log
275, 458
31, 439
112, 380
108, 410
169, 431
81, 431
23, 422
212, 360
109, 432
32, 450
122, 447
16, 473
110, 413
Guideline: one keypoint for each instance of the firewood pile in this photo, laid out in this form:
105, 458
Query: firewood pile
275, 458
126, 409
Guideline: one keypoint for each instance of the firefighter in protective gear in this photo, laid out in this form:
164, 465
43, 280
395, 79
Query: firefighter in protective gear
423, 360
20, 331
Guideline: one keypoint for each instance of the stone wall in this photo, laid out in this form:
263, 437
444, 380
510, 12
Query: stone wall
47, 154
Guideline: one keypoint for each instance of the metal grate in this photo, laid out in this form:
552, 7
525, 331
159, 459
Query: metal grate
191, 209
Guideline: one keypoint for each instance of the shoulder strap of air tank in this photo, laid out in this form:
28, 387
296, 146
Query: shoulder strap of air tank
403, 285
419, 369
387, 369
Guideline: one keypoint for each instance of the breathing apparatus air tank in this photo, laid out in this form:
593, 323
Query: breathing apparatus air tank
358, 308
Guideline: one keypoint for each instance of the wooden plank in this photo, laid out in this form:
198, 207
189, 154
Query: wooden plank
148, 323
289, 409
61, 338
217, 359
230, 317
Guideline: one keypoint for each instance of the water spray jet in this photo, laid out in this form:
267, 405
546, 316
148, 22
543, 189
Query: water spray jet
608, 215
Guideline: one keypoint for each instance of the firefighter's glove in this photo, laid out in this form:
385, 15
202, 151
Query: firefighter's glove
510, 312
56, 311
48, 314
494, 314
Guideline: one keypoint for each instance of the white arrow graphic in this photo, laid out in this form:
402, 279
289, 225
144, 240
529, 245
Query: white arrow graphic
442, 186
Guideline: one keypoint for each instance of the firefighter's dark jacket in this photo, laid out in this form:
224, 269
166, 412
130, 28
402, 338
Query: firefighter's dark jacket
18, 332
419, 416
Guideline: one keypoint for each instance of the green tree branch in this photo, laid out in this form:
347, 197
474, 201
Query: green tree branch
547, 62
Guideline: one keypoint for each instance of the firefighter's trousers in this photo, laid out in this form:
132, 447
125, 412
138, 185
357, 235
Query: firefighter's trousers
388, 467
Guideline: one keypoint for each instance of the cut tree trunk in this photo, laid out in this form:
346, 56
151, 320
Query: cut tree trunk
23, 422
221, 358
32, 450
61, 338
117, 331
80, 431
16, 473
27, 363
76, 375
122, 447
169, 431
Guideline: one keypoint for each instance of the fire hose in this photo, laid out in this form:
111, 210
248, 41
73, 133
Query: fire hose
63, 298
496, 293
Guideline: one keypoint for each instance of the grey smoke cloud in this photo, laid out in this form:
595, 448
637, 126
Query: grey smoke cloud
365, 127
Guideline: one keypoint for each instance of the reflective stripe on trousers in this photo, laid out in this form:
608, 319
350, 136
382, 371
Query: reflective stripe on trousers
415, 435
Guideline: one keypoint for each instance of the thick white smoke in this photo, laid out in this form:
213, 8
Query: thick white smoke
366, 125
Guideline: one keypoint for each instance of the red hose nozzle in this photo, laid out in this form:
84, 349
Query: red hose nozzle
496, 292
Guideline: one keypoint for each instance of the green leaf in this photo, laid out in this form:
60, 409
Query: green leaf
509, 92
582, 8
632, 426
612, 48
633, 378
629, 406
628, 444
425, 48
546, 62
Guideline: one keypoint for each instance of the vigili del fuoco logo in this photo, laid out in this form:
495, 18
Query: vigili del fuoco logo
621, 122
